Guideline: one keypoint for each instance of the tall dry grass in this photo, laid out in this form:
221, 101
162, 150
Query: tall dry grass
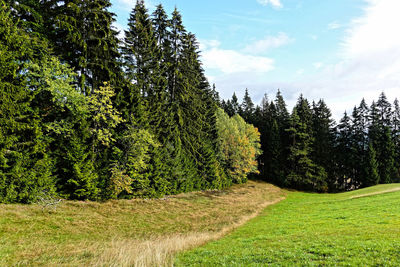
126, 232
160, 251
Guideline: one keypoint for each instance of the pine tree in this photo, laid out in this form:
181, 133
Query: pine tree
371, 168
359, 142
343, 154
324, 138
384, 111
247, 108
303, 173
386, 166
25, 166
85, 39
396, 134
304, 112
235, 104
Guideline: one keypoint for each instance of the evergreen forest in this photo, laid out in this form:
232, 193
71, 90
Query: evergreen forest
307, 150
85, 115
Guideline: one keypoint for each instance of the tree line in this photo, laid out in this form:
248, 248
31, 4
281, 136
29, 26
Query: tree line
307, 150
84, 115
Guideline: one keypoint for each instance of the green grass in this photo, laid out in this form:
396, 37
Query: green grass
359, 228
88, 233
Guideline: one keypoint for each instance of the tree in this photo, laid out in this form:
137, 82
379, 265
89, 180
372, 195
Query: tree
324, 138
235, 105
371, 168
85, 39
303, 173
343, 154
396, 133
247, 108
25, 166
238, 145
386, 166
105, 118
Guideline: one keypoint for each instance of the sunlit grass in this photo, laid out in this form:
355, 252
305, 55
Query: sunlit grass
125, 232
360, 228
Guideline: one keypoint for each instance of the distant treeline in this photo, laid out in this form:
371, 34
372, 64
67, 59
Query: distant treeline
84, 115
307, 150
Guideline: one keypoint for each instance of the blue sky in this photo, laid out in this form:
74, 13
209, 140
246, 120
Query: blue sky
339, 50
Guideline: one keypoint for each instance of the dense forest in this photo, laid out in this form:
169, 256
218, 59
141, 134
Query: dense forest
84, 115
307, 150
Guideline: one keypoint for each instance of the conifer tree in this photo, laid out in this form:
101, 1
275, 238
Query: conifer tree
386, 166
282, 119
303, 173
324, 138
85, 39
396, 134
343, 154
371, 168
304, 112
25, 165
384, 110
247, 108
235, 105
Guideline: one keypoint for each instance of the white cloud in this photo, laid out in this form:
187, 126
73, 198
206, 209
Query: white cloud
267, 43
334, 25
274, 3
369, 64
376, 32
230, 61
318, 65
208, 44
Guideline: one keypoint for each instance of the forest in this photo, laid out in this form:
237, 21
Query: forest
87, 116
307, 150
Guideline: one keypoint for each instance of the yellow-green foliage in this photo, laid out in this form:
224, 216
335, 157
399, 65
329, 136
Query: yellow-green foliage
104, 115
119, 181
239, 145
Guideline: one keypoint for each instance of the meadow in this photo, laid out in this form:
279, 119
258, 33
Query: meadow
359, 228
139, 232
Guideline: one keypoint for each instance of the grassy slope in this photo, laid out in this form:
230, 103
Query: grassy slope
117, 232
356, 228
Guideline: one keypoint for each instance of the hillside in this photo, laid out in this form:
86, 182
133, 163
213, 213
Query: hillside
359, 228
125, 232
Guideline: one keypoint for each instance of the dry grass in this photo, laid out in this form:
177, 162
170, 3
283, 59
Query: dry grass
126, 232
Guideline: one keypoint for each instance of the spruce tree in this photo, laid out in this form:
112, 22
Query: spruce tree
85, 39
247, 108
343, 155
386, 158
396, 134
324, 138
371, 168
303, 173
26, 167
235, 105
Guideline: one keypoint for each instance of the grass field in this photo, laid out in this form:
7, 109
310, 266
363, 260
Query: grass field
125, 232
359, 228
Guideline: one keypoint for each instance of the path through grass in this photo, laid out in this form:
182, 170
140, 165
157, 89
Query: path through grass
360, 228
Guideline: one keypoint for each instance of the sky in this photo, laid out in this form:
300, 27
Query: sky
337, 50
